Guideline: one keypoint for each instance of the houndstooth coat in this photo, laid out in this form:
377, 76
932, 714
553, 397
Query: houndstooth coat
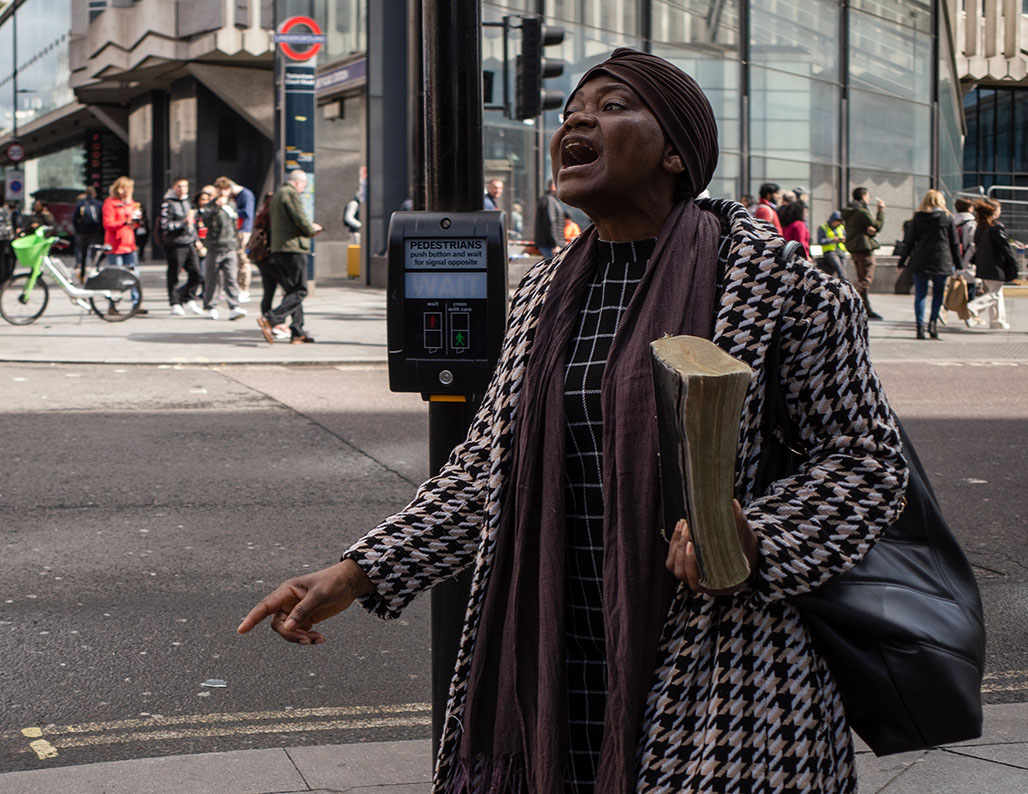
740, 701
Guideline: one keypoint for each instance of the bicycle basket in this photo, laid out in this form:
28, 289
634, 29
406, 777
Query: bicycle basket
31, 248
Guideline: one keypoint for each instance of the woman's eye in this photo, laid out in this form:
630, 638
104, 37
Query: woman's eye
612, 105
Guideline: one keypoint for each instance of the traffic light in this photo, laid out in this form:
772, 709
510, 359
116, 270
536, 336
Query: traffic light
530, 98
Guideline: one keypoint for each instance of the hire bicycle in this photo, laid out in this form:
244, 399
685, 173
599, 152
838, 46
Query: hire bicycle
113, 293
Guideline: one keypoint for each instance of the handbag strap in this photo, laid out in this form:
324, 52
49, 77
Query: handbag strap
786, 442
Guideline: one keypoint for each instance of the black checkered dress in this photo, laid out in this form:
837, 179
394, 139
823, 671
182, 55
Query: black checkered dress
620, 266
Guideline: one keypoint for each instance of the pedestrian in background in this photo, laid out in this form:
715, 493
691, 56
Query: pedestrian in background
142, 232
290, 246
246, 208
861, 228
549, 222
967, 225
493, 191
831, 236
517, 220
793, 216
767, 205
260, 253
930, 247
87, 222
994, 262
6, 235
352, 218
222, 262
592, 658
177, 235
121, 214
41, 216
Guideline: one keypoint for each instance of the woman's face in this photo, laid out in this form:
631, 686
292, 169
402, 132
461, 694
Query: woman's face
610, 154
124, 192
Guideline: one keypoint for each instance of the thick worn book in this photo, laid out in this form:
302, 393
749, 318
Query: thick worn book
699, 390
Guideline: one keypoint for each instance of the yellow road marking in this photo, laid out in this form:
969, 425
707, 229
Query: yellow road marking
211, 725
42, 747
243, 730
246, 716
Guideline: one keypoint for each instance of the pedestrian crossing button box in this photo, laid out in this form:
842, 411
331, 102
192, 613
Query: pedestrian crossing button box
447, 301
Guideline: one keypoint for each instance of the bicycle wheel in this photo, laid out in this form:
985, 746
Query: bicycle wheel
123, 303
17, 307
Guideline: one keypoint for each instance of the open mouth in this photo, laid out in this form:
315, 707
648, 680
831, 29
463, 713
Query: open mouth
576, 152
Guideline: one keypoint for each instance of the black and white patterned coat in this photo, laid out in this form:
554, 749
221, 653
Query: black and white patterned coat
739, 699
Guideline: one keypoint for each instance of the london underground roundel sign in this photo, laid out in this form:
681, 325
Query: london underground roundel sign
312, 38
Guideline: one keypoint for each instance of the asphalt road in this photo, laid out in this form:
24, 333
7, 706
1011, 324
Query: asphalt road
144, 509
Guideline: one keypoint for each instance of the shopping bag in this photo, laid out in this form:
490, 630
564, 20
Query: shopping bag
955, 297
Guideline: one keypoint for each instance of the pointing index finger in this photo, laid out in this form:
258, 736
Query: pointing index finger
255, 616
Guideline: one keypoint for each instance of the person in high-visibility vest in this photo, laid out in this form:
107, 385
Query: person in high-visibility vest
831, 236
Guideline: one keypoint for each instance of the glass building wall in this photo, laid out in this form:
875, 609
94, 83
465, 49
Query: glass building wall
891, 70
39, 31
996, 149
820, 94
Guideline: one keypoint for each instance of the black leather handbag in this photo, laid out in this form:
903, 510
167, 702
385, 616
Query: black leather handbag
902, 631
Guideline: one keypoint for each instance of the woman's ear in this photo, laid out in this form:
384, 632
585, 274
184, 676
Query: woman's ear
672, 161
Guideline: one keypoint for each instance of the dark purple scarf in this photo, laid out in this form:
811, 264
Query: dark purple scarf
515, 719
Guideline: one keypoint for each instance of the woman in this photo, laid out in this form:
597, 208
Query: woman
121, 215
994, 263
600, 664
930, 247
794, 225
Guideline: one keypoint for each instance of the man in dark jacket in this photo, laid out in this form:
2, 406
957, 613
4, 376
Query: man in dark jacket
89, 228
861, 228
290, 244
178, 236
549, 222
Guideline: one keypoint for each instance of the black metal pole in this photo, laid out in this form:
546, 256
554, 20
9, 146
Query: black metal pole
453, 104
416, 105
452, 63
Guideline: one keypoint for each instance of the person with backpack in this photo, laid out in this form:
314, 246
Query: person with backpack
177, 234
966, 225
89, 228
260, 255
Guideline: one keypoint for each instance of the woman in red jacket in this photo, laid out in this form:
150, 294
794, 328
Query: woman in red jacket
121, 216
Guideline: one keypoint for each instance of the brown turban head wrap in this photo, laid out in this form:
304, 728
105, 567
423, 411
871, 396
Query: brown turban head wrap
678, 104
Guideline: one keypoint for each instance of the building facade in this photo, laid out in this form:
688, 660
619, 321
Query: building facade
820, 94
823, 94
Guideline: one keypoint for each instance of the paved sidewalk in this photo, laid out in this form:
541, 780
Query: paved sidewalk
995, 764
348, 322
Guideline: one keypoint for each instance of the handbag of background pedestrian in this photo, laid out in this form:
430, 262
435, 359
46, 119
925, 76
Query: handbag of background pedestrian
955, 296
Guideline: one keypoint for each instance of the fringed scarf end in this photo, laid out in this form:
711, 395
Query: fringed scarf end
503, 775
